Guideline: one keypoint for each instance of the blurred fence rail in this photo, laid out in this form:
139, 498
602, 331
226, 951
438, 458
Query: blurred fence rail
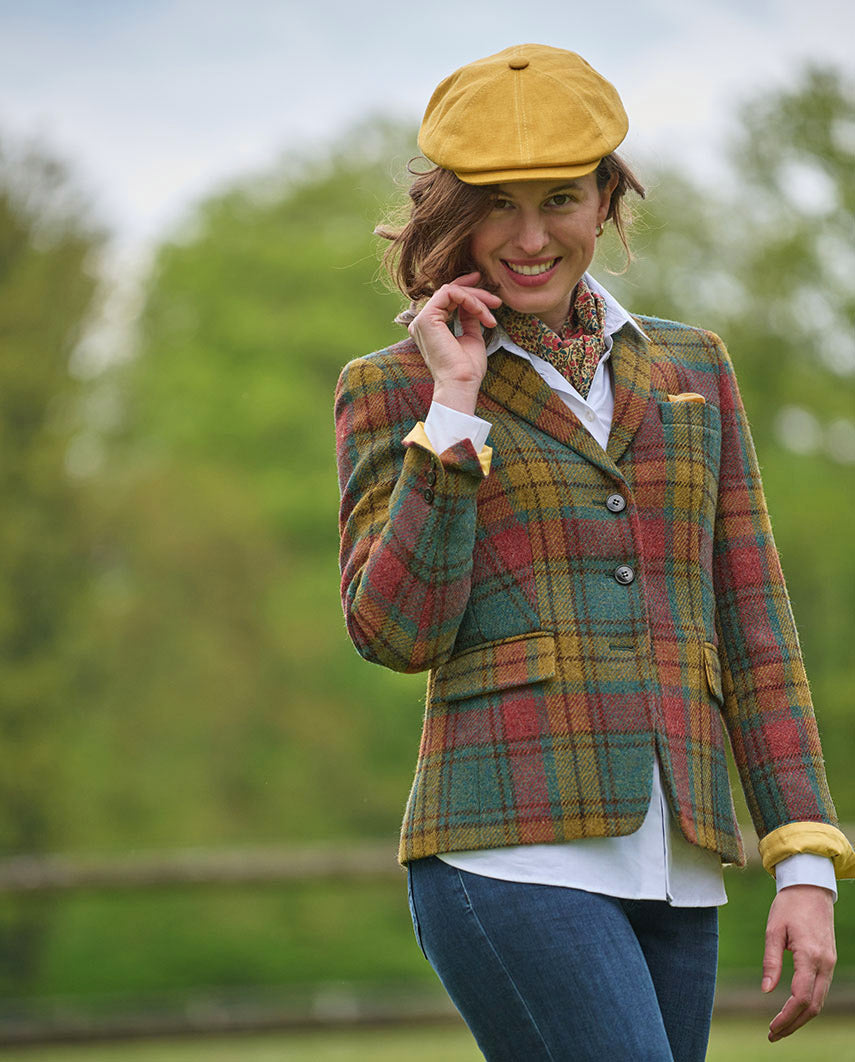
195, 866
202, 1013
325, 1007
333, 1006
243, 866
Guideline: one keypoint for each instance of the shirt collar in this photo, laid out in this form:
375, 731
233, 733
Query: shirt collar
616, 318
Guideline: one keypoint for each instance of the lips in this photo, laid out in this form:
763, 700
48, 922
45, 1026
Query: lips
532, 273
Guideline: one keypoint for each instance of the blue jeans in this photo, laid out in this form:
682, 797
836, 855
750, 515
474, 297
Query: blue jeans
543, 972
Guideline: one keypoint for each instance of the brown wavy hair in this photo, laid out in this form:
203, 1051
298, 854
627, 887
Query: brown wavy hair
431, 245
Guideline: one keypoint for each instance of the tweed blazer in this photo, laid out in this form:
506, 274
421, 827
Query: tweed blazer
580, 610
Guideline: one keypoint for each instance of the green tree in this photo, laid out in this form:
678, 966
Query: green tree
766, 257
222, 660
47, 285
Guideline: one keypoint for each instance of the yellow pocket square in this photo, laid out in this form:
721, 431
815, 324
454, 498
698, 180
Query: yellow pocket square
687, 396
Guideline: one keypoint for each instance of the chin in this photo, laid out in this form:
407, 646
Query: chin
538, 306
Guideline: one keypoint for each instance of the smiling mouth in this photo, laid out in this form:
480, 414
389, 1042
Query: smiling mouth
533, 270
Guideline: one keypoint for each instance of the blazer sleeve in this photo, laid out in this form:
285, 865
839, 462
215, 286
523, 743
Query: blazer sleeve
767, 702
407, 523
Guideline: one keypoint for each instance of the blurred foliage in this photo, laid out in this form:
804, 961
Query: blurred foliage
46, 291
767, 257
176, 669
223, 681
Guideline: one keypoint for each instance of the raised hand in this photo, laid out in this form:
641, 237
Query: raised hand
457, 363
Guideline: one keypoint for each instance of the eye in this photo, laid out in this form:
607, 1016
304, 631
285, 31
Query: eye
560, 199
502, 204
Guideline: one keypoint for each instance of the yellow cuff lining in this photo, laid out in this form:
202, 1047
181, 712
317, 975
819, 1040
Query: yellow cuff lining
818, 838
419, 437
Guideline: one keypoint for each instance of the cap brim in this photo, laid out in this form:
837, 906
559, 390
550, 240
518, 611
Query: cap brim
530, 173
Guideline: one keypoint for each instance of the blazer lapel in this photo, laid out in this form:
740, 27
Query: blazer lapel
631, 370
512, 382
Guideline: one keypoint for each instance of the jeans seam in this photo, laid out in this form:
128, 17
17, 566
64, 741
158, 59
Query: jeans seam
500, 961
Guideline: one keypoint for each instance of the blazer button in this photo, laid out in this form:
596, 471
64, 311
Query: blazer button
431, 477
624, 574
616, 503
429, 496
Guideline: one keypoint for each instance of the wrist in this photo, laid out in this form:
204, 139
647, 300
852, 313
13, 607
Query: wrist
462, 399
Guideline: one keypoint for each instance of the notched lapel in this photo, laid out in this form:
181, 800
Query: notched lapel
513, 383
631, 368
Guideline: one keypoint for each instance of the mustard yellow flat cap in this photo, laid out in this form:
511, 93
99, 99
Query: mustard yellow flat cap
529, 112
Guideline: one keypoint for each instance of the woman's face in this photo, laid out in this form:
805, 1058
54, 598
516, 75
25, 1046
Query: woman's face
538, 240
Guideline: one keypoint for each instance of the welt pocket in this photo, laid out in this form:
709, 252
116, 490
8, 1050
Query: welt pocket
712, 670
495, 666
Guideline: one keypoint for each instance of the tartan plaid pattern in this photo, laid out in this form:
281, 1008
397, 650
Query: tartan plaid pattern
551, 683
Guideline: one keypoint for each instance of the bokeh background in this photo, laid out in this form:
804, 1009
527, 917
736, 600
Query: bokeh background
187, 197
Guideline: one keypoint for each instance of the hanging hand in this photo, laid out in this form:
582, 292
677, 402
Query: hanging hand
801, 920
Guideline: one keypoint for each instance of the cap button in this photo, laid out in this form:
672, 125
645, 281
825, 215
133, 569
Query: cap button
518, 64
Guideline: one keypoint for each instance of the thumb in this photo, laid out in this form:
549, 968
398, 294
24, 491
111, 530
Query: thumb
773, 957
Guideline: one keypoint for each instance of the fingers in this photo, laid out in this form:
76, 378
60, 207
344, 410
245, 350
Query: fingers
773, 956
469, 280
801, 920
462, 296
807, 996
473, 301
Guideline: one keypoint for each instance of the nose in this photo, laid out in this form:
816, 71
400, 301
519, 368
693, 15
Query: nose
532, 234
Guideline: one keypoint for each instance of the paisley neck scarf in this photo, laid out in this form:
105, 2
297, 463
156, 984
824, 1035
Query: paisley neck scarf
576, 350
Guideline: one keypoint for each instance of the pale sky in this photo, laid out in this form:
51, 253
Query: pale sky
157, 102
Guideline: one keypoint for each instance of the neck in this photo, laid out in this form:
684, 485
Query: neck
553, 319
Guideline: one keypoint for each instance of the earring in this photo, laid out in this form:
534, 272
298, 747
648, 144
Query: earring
599, 229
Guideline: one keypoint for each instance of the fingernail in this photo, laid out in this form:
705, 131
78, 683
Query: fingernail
766, 984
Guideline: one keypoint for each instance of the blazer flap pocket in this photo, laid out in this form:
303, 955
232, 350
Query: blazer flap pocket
495, 666
712, 669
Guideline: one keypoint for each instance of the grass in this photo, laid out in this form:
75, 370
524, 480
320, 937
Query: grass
733, 1040
744, 1040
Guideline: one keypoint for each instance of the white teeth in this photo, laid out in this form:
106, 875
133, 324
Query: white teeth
531, 270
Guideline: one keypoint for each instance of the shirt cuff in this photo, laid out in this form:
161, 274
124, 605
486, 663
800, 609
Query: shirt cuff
446, 427
806, 869
419, 437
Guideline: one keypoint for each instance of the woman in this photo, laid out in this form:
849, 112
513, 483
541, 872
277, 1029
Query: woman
595, 595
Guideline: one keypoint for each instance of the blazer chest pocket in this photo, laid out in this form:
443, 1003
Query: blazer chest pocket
691, 453
689, 416
494, 666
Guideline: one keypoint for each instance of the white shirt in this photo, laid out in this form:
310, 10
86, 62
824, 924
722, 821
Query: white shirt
656, 862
